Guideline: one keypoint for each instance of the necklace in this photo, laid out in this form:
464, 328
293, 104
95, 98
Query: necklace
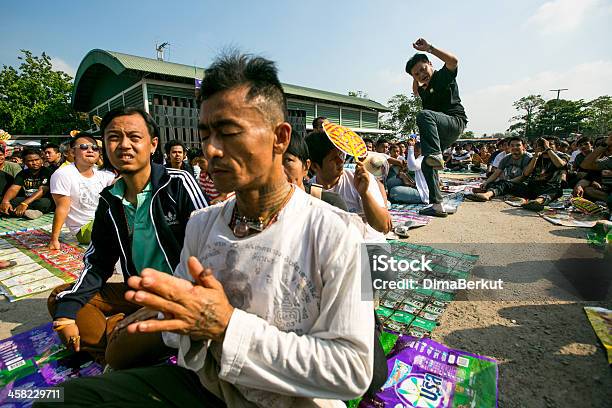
242, 226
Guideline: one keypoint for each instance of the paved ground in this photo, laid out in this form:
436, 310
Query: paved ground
536, 328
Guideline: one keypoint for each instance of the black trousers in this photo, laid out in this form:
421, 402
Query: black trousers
438, 131
150, 387
43, 204
548, 190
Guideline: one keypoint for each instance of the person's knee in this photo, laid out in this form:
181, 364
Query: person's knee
423, 117
52, 299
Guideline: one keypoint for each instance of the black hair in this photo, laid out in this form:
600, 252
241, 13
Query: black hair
88, 135
367, 139
316, 121
233, 69
416, 58
319, 146
170, 144
130, 110
52, 146
381, 141
28, 151
520, 139
582, 140
298, 147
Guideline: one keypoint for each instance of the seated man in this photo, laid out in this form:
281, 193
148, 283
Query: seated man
410, 191
276, 317
140, 221
359, 188
53, 157
460, 159
29, 195
177, 156
296, 165
76, 189
8, 171
545, 174
507, 176
600, 159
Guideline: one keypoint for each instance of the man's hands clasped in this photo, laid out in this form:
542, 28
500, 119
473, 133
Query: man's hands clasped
200, 309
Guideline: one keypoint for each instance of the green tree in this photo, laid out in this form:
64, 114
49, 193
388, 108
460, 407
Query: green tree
468, 134
528, 108
404, 110
35, 99
560, 117
598, 119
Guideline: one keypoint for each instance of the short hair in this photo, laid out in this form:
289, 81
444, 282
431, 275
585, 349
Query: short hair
170, 144
380, 142
520, 139
298, 147
64, 146
28, 151
128, 111
318, 119
416, 58
319, 146
52, 146
367, 140
583, 140
88, 135
233, 69
563, 143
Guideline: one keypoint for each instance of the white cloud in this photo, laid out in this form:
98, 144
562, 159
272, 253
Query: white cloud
558, 16
61, 65
490, 109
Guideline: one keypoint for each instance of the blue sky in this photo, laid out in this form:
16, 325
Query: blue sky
507, 49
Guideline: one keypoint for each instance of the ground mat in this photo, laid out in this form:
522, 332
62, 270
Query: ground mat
37, 268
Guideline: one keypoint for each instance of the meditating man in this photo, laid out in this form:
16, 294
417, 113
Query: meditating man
442, 119
267, 300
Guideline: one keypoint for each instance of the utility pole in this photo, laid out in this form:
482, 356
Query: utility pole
558, 91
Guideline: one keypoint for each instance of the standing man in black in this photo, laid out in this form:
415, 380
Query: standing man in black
442, 119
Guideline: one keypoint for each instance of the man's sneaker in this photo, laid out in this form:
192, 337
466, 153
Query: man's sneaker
32, 214
435, 161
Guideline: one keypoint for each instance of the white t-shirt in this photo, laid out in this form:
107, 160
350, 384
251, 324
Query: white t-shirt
84, 193
300, 328
414, 164
345, 188
574, 154
498, 159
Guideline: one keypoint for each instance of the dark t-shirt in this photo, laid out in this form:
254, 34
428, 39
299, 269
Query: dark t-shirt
31, 182
442, 94
513, 168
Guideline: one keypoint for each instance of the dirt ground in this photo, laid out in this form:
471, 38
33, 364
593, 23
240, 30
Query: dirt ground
536, 328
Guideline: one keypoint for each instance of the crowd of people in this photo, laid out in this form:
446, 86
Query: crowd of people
244, 259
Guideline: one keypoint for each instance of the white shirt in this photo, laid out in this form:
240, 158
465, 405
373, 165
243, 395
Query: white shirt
84, 193
574, 154
345, 188
498, 159
414, 164
300, 330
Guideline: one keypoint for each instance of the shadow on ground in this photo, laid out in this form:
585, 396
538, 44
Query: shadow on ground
549, 356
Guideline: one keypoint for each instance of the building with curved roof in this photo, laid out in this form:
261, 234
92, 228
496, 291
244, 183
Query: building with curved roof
108, 79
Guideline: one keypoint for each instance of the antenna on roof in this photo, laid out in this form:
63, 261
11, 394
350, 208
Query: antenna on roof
160, 50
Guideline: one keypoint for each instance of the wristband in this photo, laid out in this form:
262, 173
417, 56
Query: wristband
22, 203
59, 325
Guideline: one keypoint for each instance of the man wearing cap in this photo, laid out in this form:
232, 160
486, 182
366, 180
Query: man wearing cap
75, 188
8, 171
442, 119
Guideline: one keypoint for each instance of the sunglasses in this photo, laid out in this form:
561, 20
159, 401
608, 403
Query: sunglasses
85, 146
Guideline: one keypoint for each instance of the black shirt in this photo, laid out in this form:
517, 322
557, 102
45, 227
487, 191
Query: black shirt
31, 182
442, 94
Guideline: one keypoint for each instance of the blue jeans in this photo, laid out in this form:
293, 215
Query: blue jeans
438, 131
399, 193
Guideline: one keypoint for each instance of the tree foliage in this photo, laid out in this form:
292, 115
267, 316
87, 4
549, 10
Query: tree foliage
402, 119
35, 99
561, 117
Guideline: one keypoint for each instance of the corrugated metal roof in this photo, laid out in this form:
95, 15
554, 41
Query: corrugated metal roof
189, 71
157, 67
